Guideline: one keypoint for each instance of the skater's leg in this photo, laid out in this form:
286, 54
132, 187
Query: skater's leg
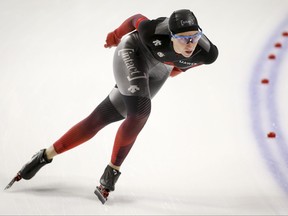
138, 111
110, 110
103, 115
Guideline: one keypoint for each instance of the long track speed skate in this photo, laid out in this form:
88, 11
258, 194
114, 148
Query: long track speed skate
102, 193
31, 168
107, 183
16, 178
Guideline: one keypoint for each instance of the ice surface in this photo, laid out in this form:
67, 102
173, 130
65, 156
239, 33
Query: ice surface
198, 153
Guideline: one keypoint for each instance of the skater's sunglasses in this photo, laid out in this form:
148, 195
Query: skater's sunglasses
188, 39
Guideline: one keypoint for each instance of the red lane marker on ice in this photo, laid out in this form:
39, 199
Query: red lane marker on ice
272, 56
271, 135
278, 45
265, 81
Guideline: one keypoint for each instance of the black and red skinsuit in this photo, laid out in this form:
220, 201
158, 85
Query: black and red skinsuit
143, 61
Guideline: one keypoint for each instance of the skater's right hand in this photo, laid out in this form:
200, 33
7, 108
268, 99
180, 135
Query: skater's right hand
112, 40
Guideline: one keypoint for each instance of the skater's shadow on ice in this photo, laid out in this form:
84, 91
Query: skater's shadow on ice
59, 190
120, 199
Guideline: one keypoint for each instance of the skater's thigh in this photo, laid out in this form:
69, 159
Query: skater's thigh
117, 100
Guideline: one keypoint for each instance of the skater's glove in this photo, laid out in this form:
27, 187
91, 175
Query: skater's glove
112, 40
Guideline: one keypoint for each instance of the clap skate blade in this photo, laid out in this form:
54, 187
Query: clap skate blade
18, 177
101, 193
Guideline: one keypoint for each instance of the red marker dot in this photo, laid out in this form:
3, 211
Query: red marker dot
285, 34
265, 81
278, 45
271, 135
272, 56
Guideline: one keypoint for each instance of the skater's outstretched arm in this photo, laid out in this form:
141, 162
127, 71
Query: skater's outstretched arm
129, 25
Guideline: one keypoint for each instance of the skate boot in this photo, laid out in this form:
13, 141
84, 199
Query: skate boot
31, 168
107, 183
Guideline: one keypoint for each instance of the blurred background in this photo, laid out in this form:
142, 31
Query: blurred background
204, 149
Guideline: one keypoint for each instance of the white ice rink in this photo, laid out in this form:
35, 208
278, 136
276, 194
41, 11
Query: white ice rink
204, 150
